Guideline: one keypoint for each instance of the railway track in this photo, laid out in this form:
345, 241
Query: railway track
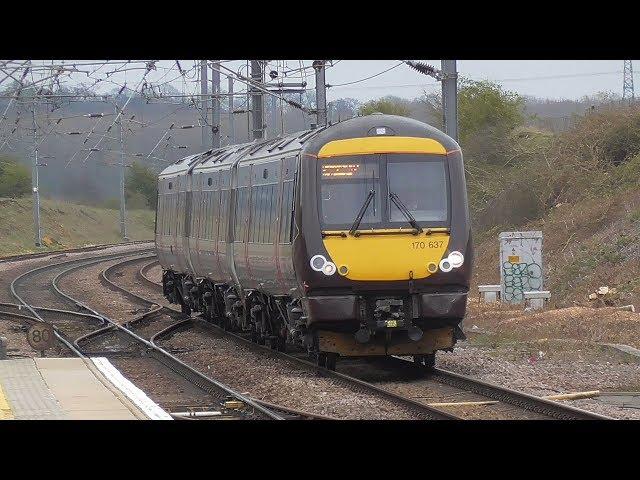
39, 286
419, 410
540, 407
90, 248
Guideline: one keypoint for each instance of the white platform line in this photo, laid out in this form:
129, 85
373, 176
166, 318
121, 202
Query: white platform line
133, 393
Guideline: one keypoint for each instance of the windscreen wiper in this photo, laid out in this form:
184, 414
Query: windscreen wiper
405, 211
356, 222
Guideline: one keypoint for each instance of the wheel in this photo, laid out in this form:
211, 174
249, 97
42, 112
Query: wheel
430, 361
331, 361
282, 344
425, 362
185, 309
321, 359
254, 336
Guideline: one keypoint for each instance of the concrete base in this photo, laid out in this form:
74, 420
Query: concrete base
64, 389
489, 293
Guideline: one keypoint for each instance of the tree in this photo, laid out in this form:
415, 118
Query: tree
342, 108
15, 179
141, 186
487, 118
483, 108
388, 105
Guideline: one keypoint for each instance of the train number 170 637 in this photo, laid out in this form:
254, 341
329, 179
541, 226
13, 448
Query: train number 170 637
432, 244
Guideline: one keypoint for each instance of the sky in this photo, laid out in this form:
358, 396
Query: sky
553, 79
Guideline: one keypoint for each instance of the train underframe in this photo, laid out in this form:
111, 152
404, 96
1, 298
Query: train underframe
385, 325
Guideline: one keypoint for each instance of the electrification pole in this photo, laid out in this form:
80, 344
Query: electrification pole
321, 92
627, 82
35, 181
257, 100
204, 103
274, 117
232, 128
123, 217
450, 98
215, 91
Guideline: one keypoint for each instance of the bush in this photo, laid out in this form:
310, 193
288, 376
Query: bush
386, 105
15, 179
138, 201
141, 187
111, 204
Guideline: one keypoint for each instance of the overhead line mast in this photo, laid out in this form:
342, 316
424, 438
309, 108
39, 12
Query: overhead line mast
257, 99
627, 82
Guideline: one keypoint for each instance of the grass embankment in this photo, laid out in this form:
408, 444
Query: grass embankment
587, 244
66, 225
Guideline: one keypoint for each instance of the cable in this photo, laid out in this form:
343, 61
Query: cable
367, 78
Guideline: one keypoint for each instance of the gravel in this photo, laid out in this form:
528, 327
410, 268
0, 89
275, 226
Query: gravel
277, 380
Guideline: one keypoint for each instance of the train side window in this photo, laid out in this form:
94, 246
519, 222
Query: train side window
158, 214
259, 206
172, 201
197, 213
215, 217
164, 213
285, 215
161, 209
289, 174
203, 214
255, 216
239, 216
174, 204
209, 206
215, 224
167, 214
268, 219
181, 212
223, 216
264, 231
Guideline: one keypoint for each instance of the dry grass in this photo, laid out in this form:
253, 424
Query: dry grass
583, 324
66, 225
588, 244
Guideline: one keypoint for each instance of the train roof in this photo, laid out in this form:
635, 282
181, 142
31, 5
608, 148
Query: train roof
280, 145
313, 139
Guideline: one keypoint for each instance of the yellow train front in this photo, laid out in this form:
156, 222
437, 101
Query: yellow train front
385, 253
347, 240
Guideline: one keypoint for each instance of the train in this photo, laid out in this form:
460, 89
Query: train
347, 240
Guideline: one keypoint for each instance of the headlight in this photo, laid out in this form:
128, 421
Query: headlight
432, 267
445, 265
318, 262
329, 268
456, 259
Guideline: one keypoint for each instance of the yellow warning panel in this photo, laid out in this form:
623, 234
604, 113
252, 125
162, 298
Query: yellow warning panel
5, 409
514, 259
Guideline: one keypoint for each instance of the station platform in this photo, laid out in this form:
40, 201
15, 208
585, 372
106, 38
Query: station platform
71, 389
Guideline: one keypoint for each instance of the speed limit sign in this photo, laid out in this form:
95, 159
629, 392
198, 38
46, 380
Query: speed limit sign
40, 336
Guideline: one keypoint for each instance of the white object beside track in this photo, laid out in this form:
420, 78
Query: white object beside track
133, 393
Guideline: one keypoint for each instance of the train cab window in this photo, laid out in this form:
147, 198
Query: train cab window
287, 204
347, 184
420, 183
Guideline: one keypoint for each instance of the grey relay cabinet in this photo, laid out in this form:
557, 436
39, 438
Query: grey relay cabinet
520, 264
